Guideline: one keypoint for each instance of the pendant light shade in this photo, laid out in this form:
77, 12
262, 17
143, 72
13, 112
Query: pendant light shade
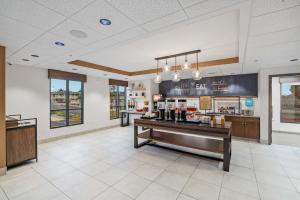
176, 75
186, 64
158, 76
197, 73
166, 67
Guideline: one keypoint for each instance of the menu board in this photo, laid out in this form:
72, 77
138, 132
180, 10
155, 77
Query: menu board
233, 85
205, 103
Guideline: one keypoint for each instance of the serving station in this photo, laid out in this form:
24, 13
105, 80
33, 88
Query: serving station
207, 137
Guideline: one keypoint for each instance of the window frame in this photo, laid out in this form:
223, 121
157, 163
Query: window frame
117, 106
67, 109
281, 118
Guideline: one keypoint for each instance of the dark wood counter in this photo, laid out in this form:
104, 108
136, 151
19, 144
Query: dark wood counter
217, 137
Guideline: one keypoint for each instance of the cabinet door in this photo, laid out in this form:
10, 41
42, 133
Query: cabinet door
237, 126
252, 128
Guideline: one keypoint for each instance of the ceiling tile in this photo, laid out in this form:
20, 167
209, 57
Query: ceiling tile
69, 25
209, 6
64, 7
290, 35
147, 10
187, 3
30, 12
129, 34
12, 37
261, 7
97, 10
277, 21
165, 21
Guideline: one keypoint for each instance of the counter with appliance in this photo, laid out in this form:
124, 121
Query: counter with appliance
126, 114
214, 138
21, 140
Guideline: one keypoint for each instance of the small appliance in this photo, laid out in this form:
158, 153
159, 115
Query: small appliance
181, 108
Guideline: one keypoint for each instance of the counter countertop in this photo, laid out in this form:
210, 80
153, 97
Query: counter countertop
132, 112
232, 115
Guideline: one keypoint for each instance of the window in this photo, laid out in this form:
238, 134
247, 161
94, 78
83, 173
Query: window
66, 107
117, 100
290, 102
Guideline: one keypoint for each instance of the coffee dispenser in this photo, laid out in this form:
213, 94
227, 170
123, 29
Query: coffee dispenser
161, 107
170, 110
181, 108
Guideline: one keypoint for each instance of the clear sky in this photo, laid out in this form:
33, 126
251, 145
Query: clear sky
56, 85
285, 89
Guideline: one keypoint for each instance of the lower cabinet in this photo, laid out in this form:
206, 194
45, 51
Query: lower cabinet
246, 127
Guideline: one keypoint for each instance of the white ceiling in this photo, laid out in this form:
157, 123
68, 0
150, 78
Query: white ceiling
263, 33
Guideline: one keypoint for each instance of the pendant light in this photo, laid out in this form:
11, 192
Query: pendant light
166, 67
197, 73
186, 64
176, 76
158, 76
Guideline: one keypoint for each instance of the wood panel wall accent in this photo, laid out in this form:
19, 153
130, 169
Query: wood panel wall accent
2, 110
118, 82
209, 63
99, 67
56, 74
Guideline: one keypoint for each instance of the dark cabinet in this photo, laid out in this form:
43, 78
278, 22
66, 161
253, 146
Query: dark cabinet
245, 127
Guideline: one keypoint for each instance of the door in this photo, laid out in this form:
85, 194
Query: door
237, 126
252, 128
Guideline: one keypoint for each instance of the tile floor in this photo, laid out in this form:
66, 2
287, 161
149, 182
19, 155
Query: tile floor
290, 139
105, 166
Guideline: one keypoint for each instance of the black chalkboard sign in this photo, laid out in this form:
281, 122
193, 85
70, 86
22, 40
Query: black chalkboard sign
233, 85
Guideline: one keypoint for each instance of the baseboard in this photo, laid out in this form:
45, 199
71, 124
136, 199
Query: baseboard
3, 171
295, 133
75, 134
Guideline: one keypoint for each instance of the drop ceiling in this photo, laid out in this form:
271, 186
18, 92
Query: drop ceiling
262, 33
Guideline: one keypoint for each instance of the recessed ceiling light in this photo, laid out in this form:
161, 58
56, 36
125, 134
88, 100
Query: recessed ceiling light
74, 69
59, 44
24, 59
126, 78
9, 63
105, 22
78, 34
34, 55
294, 60
104, 74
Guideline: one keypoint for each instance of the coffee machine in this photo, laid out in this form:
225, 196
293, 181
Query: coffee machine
161, 107
170, 110
181, 108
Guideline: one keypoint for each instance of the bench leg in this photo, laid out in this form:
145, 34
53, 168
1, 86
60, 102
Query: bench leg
227, 154
136, 138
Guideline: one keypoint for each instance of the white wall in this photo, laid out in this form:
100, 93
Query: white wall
27, 93
264, 96
276, 124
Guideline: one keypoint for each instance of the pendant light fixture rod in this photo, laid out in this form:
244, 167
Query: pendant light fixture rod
197, 61
175, 64
179, 54
157, 67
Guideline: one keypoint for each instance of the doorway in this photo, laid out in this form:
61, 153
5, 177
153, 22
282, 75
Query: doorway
285, 109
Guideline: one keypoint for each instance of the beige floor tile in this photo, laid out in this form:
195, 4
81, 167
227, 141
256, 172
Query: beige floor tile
69, 180
185, 169
112, 194
158, 192
94, 168
172, 180
132, 185
271, 192
296, 183
86, 190
209, 175
184, 197
240, 185
111, 175
45, 191
274, 179
199, 189
148, 171
232, 195
130, 164
242, 172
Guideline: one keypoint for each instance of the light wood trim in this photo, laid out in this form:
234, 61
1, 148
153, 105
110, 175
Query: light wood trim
2, 109
153, 71
66, 75
99, 67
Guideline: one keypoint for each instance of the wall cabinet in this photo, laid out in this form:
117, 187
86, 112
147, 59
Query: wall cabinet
245, 127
